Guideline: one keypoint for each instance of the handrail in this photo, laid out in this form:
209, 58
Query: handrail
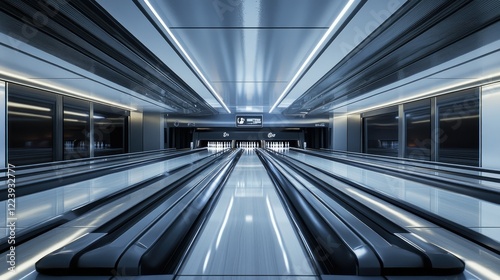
100, 158
44, 226
456, 228
394, 159
312, 226
461, 187
166, 228
394, 260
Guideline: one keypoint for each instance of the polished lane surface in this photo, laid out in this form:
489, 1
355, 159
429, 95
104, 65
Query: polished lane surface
28, 253
41, 206
248, 234
476, 214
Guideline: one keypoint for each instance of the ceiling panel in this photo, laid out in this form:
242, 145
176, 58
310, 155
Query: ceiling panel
421, 35
243, 13
254, 63
64, 78
248, 50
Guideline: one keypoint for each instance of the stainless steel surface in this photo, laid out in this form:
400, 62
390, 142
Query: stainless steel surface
41, 206
490, 136
255, 47
248, 233
452, 172
27, 254
478, 215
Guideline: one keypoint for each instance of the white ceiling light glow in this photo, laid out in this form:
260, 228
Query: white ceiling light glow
186, 55
312, 54
430, 93
9, 76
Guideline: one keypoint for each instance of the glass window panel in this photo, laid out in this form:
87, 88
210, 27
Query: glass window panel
31, 125
382, 134
418, 130
76, 128
458, 116
109, 130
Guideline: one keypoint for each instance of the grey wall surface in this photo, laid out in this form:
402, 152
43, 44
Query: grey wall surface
153, 124
490, 135
346, 133
339, 131
136, 132
354, 133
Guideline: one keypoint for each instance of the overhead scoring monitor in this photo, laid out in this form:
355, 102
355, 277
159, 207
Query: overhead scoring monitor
248, 121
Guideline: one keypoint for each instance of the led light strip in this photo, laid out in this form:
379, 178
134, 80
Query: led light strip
312, 54
431, 93
60, 90
191, 62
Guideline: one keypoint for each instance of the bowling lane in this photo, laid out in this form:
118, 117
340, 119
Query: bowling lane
28, 253
41, 206
478, 215
248, 233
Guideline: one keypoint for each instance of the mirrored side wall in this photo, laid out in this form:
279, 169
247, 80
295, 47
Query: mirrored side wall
445, 128
44, 126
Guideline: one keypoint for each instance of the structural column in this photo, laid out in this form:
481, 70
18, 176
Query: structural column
3, 126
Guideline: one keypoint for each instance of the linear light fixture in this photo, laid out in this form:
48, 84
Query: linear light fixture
429, 93
59, 90
312, 54
186, 55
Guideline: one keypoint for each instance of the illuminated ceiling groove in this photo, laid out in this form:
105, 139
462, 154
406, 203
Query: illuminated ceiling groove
186, 55
248, 54
313, 54
420, 35
82, 33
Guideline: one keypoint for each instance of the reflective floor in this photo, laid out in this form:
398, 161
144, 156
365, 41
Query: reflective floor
32, 209
447, 172
476, 214
248, 233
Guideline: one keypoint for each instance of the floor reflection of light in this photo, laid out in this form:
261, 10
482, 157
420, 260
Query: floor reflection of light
42, 209
388, 209
486, 273
98, 219
29, 263
223, 227
278, 236
248, 218
207, 258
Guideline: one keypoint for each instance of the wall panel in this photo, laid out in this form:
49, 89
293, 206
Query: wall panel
490, 117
